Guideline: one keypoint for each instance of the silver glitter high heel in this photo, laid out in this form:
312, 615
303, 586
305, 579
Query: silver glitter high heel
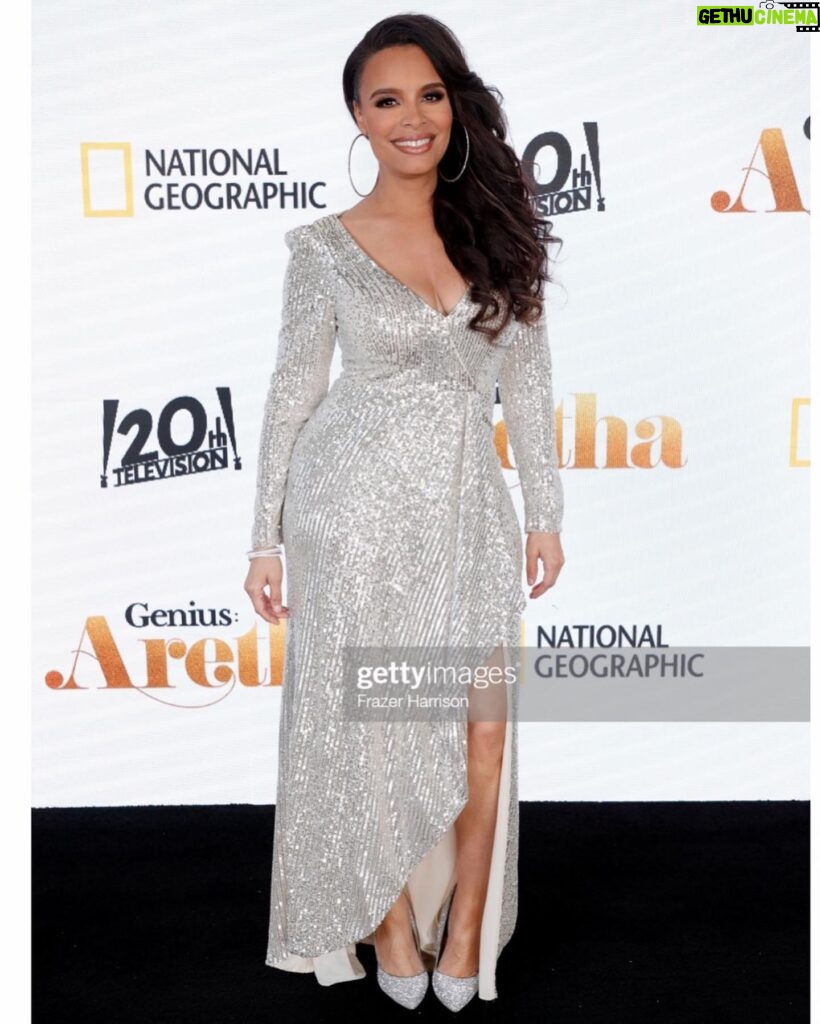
454, 992
406, 990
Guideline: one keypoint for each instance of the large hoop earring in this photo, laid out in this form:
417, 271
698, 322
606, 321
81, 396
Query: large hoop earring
466, 158
361, 135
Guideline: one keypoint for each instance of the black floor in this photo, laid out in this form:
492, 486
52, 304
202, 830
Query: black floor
628, 912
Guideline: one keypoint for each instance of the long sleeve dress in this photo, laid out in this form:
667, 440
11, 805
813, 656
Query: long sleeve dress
387, 494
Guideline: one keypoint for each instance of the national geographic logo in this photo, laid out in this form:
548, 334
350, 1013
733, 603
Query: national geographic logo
188, 179
799, 433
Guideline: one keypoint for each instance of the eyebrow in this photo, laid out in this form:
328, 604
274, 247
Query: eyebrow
429, 85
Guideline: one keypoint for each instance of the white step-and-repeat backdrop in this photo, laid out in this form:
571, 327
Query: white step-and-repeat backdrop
173, 146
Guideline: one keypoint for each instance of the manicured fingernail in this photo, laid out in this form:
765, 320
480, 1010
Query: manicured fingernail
277, 607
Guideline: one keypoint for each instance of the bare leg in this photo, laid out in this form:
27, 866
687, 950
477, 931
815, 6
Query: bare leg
475, 831
394, 941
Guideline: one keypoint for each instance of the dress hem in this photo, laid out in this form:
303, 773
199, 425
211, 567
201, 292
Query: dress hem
342, 963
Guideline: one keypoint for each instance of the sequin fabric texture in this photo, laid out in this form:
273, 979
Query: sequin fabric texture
387, 494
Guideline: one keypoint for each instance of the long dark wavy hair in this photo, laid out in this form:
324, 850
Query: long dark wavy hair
486, 219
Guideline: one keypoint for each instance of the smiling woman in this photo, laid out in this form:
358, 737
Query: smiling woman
415, 121
420, 142
386, 490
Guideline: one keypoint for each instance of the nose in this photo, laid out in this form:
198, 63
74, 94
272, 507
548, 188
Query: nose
413, 115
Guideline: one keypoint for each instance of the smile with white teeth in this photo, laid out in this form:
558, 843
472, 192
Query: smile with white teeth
415, 145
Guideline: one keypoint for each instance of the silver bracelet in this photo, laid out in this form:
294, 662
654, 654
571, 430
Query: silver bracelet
276, 551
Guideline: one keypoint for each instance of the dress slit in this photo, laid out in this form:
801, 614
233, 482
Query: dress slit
428, 885
432, 880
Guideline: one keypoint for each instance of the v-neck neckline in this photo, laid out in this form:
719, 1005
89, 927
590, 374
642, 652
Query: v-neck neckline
392, 277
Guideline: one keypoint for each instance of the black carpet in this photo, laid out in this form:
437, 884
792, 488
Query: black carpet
628, 912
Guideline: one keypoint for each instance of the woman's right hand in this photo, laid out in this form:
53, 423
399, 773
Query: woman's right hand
267, 572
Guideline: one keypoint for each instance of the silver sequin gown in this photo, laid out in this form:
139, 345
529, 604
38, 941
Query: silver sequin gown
387, 493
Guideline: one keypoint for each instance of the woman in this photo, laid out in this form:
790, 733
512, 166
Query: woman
387, 495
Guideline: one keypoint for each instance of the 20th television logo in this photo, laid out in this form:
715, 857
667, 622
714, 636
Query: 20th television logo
202, 448
804, 16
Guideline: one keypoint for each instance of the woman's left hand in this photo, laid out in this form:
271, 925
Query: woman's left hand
547, 548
